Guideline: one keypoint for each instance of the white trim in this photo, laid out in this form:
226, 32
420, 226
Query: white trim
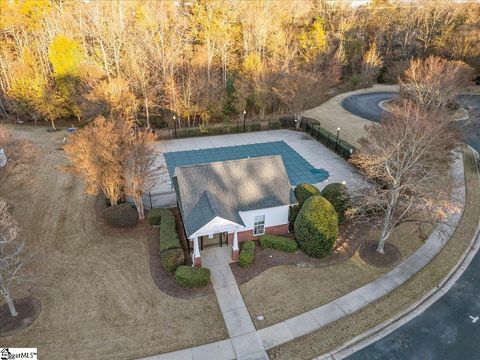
224, 225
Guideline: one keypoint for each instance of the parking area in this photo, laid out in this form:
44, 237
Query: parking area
305, 159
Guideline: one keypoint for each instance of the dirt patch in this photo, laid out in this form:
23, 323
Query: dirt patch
368, 253
28, 310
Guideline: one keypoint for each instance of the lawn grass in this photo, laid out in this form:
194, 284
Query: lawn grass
337, 333
99, 300
285, 291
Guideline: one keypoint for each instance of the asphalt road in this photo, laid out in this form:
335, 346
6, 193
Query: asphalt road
450, 328
366, 106
445, 331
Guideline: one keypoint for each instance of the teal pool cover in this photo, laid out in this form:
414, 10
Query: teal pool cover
298, 169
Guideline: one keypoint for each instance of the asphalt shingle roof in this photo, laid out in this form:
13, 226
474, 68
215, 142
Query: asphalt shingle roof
223, 189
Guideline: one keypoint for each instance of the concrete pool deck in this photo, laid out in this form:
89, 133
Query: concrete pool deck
311, 150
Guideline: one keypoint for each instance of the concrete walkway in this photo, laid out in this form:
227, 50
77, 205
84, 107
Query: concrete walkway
244, 342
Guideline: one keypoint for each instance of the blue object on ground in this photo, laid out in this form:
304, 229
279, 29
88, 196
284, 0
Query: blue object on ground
298, 169
71, 130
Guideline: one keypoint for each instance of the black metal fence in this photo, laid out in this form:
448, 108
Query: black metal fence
332, 141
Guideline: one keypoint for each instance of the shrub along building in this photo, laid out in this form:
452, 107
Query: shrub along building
225, 203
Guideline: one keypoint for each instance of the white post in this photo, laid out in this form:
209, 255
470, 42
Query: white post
196, 252
235, 240
235, 249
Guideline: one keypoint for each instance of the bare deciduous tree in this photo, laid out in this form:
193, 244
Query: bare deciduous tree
298, 91
11, 259
97, 153
140, 168
403, 155
435, 82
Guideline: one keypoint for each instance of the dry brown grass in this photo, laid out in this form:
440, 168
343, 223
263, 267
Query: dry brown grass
347, 328
99, 300
285, 291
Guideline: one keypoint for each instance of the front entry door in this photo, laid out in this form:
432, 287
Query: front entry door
217, 240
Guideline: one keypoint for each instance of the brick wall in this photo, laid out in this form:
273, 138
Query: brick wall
248, 235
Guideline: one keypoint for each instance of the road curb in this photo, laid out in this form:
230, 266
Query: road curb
416, 309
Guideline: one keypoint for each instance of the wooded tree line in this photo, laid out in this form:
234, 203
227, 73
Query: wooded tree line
208, 60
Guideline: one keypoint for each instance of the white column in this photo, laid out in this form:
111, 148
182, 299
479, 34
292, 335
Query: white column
196, 249
235, 240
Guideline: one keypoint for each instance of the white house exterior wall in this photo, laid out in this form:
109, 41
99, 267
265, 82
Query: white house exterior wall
273, 216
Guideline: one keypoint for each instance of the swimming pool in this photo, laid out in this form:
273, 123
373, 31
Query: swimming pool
298, 169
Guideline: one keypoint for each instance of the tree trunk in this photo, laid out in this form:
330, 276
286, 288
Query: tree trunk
8, 299
140, 208
386, 225
53, 124
11, 306
147, 113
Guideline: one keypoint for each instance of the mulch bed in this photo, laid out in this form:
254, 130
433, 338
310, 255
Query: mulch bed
164, 280
368, 253
28, 310
351, 236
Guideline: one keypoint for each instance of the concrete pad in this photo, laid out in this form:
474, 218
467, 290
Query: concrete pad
327, 313
302, 324
215, 256
351, 302
238, 322
221, 276
218, 350
275, 335
229, 298
247, 345
185, 354
417, 261
372, 291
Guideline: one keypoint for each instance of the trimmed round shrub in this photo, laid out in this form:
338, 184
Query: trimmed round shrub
120, 216
316, 227
172, 259
278, 243
337, 195
189, 276
247, 255
292, 215
154, 217
304, 191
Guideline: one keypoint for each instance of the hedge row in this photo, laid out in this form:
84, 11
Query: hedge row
168, 231
172, 259
155, 216
218, 130
247, 255
278, 243
189, 276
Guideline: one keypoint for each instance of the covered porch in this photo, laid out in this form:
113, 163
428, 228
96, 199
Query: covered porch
224, 238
